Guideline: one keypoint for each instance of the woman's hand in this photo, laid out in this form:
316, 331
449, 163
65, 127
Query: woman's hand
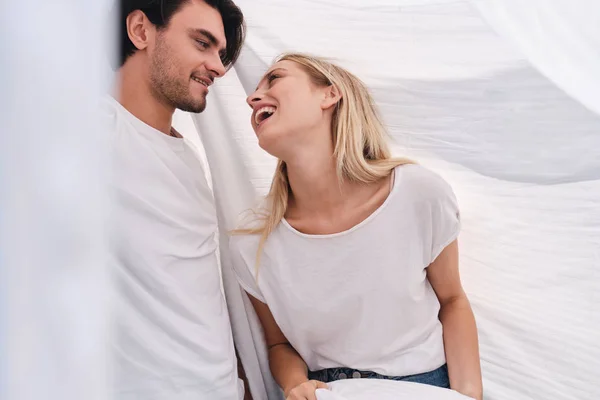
305, 391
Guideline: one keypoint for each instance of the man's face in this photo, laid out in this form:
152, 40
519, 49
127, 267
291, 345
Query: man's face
186, 56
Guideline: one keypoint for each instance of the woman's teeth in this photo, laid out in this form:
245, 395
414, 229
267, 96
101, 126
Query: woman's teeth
263, 113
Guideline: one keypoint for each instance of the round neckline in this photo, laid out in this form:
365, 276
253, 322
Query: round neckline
353, 228
176, 143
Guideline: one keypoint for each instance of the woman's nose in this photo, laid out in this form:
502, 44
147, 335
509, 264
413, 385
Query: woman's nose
253, 98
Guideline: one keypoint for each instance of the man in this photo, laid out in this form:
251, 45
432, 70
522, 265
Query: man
173, 337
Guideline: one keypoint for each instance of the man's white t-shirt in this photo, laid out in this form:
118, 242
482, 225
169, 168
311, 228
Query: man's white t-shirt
172, 337
360, 298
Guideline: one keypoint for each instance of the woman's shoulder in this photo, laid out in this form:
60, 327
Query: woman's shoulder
421, 182
245, 238
243, 251
243, 242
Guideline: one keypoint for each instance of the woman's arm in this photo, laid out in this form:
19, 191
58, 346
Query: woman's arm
460, 332
288, 368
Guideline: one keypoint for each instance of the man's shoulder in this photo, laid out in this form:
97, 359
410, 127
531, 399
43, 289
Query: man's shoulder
109, 107
109, 117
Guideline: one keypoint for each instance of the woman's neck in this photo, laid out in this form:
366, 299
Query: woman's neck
321, 204
315, 186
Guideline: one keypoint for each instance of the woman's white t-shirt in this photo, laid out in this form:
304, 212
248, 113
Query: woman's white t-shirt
360, 298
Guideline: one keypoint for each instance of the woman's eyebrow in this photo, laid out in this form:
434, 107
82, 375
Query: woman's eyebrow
269, 74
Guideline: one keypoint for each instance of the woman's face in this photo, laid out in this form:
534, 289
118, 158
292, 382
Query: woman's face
287, 106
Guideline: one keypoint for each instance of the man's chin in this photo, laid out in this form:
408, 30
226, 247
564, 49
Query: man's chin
196, 106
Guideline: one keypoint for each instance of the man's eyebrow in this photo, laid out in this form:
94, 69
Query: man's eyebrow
269, 74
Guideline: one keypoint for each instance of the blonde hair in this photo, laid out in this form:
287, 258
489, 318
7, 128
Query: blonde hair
361, 150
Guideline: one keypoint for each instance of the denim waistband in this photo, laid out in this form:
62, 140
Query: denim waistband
437, 377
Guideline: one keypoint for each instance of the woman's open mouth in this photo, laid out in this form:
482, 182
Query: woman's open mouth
263, 114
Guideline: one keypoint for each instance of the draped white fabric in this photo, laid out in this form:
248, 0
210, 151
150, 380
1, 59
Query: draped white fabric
501, 97
54, 291
560, 38
518, 146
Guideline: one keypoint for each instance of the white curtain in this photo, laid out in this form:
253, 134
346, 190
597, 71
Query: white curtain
499, 97
560, 38
54, 291
519, 149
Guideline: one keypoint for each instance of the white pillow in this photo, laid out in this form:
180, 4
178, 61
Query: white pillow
380, 389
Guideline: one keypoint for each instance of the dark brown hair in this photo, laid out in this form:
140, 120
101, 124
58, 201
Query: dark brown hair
160, 12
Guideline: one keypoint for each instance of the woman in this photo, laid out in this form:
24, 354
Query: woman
353, 266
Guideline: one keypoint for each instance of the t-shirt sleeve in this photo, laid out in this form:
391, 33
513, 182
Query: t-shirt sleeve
445, 216
243, 263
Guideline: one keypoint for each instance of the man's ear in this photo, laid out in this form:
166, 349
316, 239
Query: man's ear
332, 96
139, 29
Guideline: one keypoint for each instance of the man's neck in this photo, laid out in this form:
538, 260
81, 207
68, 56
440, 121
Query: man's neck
135, 95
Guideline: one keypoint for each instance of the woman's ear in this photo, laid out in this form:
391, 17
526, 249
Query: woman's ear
331, 97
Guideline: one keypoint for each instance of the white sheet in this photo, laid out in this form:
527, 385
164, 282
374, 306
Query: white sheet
560, 38
520, 153
371, 389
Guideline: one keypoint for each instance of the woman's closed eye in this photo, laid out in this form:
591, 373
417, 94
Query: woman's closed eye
272, 77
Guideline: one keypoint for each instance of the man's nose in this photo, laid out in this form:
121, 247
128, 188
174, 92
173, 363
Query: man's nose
216, 66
